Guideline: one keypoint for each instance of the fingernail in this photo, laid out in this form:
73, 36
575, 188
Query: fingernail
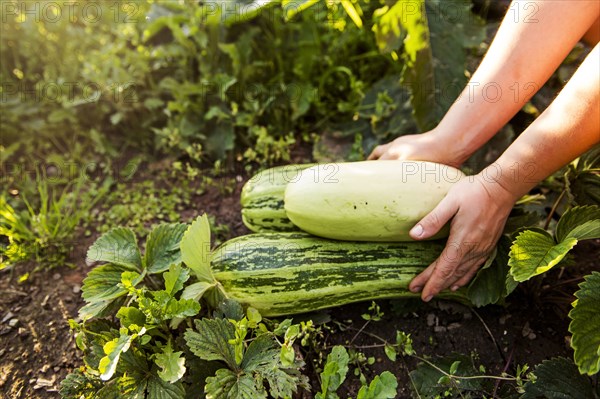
429, 298
455, 288
418, 288
417, 231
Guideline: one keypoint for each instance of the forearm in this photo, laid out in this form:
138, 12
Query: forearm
532, 41
569, 127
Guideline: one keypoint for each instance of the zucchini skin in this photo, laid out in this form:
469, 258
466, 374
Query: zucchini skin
289, 273
370, 200
262, 199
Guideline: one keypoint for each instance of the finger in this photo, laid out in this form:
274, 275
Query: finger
417, 283
377, 152
435, 220
463, 281
449, 270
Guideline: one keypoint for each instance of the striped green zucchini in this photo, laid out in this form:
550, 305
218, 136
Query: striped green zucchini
289, 273
262, 199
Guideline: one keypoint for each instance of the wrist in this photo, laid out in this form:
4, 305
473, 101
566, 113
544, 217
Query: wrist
452, 145
507, 182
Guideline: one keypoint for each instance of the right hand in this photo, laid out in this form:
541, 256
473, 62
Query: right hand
418, 147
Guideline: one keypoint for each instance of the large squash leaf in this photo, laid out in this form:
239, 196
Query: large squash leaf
438, 36
585, 325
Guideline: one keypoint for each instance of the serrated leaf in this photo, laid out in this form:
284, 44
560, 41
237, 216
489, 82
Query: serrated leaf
228, 385
558, 378
580, 222
129, 315
489, 284
229, 309
585, 188
78, 385
100, 288
195, 249
283, 383
383, 386
584, 179
162, 247
113, 350
535, 252
174, 278
211, 342
118, 246
585, 325
334, 372
172, 364
261, 351
159, 389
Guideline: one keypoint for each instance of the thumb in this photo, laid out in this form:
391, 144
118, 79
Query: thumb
434, 220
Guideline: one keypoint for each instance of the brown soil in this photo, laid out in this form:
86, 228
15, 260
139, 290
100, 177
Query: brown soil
37, 349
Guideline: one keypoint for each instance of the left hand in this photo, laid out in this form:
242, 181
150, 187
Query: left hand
478, 209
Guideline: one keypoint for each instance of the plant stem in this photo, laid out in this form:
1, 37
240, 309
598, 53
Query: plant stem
554, 206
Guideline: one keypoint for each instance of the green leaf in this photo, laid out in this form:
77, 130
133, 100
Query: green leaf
334, 372
172, 364
118, 246
101, 288
226, 384
162, 247
429, 382
584, 178
436, 54
293, 7
195, 249
390, 352
535, 252
558, 378
129, 315
78, 385
585, 325
261, 351
196, 291
211, 342
387, 29
580, 222
113, 350
489, 285
159, 389
174, 278
383, 386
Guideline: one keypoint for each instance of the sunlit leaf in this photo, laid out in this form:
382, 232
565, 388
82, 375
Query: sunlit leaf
162, 247
117, 246
195, 248
535, 252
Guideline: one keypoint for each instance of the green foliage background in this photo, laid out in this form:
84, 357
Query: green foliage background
226, 80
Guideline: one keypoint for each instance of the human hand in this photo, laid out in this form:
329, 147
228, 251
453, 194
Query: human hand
478, 207
430, 146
